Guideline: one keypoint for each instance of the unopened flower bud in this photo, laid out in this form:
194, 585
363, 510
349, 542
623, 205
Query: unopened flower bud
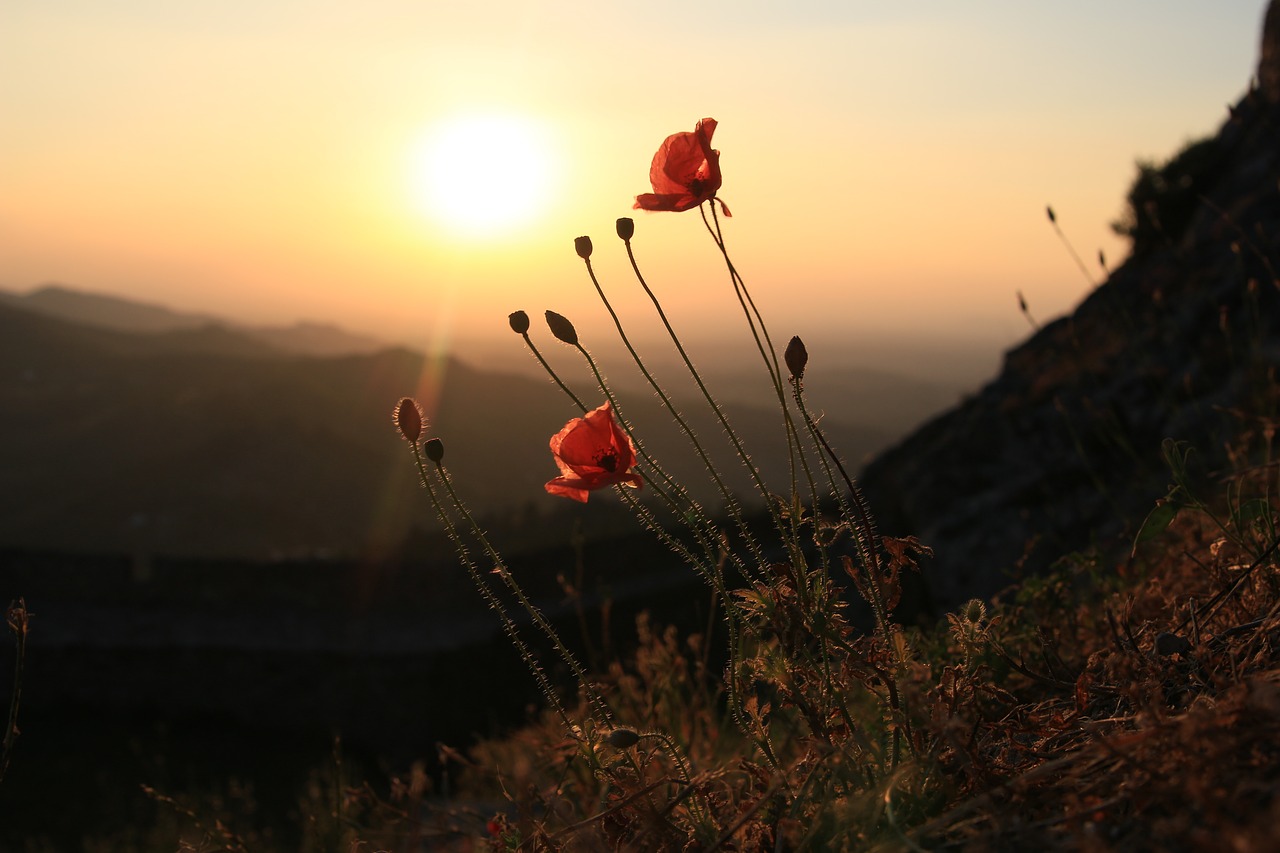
408, 419
434, 449
562, 328
796, 357
974, 611
519, 322
626, 227
582, 245
622, 738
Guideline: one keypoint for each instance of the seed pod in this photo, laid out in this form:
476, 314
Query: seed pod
562, 328
519, 322
626, 227
582, 245
622, 738
434, 449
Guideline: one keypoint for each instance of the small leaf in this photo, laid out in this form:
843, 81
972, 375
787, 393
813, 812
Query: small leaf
1157, 522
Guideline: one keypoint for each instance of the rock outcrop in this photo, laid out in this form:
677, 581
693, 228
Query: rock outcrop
1063, 448
1269, 64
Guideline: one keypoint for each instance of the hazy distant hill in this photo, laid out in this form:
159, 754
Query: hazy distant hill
203, 440
126, 315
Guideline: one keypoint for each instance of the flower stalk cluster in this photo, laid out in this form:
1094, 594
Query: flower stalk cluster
796, 667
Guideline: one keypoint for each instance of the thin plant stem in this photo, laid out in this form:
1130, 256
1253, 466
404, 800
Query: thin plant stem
640, 451
769, 356
717, 575
508, 624
711, 400
555, 377
731, 501
712, 572
19, 623
1075, 256
855, 509
504, 573
693, 507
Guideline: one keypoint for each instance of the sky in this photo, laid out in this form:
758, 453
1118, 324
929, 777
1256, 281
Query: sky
888, 165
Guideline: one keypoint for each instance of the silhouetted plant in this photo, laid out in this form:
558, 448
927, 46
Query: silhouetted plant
1163, 197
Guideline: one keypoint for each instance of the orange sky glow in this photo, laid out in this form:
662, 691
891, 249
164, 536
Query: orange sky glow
888, 167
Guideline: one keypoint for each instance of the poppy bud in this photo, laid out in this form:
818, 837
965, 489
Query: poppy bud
562, 328
796, 357
519, 322
434, 449
626, 227
408, 419
582, 245
622, 738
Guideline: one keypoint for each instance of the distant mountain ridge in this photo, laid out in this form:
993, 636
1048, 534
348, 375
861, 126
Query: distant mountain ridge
204, 441
106, 311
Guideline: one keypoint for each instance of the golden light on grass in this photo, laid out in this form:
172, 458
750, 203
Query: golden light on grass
483, 175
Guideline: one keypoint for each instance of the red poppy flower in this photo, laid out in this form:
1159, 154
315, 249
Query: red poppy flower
685, 171
592, 452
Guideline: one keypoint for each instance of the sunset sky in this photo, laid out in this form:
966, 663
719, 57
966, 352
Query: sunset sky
887, 164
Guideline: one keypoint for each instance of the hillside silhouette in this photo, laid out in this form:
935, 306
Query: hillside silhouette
200, 440
1062, 450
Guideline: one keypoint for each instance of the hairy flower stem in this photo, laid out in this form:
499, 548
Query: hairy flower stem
19, 622
528, 342
501, 570
714, 404
672, 503
712, 570
731, 501
495, 604
673, 750
690, 509
770, 357
856, 510
854, 507
717, 574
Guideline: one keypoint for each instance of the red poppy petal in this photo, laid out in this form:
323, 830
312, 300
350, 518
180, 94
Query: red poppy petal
624, 449
564, 488
683, 158
581, 440
672, 202
676, 163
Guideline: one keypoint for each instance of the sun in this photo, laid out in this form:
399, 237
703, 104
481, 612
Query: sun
483, 174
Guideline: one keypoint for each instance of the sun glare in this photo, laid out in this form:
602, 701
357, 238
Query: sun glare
483, 175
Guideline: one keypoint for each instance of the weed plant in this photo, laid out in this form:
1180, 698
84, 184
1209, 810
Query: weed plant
817, 735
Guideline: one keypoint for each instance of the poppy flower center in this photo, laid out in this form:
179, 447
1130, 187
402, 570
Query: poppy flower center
608, 461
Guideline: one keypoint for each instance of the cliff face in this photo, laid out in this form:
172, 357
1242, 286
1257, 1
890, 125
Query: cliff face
1269, 64
1062, 449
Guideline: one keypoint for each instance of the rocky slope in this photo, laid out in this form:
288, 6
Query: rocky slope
1063, 448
